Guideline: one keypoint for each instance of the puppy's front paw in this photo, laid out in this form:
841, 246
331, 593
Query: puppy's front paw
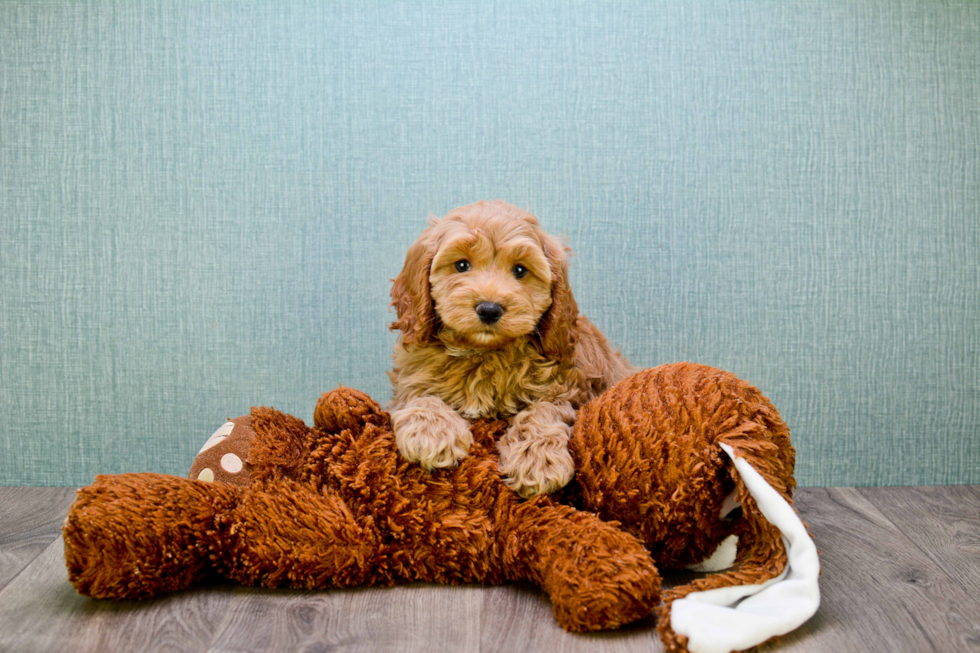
430, 433
535, 458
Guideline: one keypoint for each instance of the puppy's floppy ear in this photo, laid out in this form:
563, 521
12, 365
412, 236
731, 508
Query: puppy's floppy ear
557, 328
417, 319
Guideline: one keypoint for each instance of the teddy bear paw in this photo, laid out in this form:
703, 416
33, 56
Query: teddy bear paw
345, 408
430, 433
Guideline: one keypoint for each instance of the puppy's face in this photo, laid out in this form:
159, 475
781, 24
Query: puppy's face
490, 280
485, 275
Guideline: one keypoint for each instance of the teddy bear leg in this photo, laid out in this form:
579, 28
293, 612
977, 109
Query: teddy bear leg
596, 575
134, 536
290, 534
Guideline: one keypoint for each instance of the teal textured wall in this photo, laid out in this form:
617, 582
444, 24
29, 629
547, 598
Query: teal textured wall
202, 204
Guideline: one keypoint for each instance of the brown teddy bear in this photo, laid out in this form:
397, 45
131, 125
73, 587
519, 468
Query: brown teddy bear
336, 506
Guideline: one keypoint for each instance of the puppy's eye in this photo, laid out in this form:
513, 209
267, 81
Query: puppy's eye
462, 266
520, 271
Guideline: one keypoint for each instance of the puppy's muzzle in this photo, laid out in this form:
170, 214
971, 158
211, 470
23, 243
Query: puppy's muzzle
489, 312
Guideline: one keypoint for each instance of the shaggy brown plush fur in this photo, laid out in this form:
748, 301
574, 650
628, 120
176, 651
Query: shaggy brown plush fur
647, 454
335, 506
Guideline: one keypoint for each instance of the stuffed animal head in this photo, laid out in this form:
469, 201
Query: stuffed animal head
698, 464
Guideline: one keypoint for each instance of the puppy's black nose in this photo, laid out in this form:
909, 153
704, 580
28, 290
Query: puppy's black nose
489, 312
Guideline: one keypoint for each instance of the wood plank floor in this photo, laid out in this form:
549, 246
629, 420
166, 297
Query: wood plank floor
901, 572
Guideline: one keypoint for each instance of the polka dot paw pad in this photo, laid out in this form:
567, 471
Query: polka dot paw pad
218, 436
223, 458
231, 463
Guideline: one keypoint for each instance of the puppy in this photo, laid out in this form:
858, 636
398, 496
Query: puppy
489, 328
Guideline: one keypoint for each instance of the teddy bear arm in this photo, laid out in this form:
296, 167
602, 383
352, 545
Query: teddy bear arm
596, 575
346, 408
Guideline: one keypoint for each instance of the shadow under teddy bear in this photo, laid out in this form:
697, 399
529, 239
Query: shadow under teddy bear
336, 506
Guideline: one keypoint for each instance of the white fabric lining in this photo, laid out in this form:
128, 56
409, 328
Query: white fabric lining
723, 557
740, 617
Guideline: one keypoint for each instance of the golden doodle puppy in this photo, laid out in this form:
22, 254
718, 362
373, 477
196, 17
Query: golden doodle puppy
489, 328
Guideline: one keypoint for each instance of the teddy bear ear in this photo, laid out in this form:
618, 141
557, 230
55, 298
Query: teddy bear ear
410, 293
558, 327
